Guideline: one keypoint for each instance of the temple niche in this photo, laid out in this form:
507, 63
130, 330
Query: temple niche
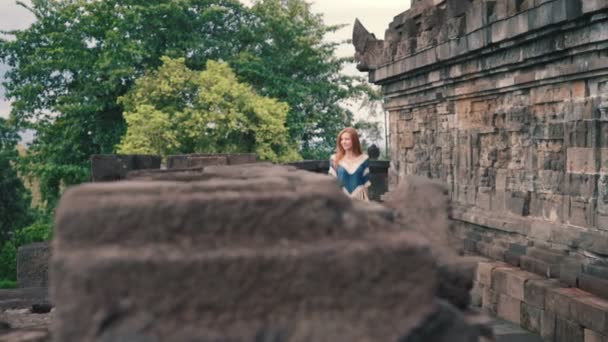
507, 103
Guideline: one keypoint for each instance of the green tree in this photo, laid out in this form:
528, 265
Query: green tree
69, 68
179, 110
287, 58
15, 210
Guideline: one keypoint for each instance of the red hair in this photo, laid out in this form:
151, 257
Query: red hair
340, 152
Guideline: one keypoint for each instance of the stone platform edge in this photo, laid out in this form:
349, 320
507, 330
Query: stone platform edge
540, 305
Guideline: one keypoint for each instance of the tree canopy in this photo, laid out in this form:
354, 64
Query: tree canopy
14, 198
69, 69
178, 110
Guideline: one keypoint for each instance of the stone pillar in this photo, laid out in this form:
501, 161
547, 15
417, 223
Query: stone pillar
33, 265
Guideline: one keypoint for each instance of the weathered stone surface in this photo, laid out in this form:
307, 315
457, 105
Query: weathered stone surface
566, 331
535, 291
511, 282
245, 237
595, 285
185, 161
591, 312
531, 318
33, 265
509, 308
511, 112
592, 336
113, 167
547, 322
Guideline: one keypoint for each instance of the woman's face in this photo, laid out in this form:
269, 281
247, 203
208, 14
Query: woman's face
346, 142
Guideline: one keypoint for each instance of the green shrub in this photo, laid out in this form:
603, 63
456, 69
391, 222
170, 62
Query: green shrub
7, 284
39, 231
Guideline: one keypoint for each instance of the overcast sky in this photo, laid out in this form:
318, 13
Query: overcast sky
375, 15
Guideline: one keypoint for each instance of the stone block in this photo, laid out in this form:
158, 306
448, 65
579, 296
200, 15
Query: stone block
539, 267
548, 256
517, 25
207, 161
478, 39
541, 230
604, 160
518, 202
595, 285
501, 179
513, 258
484, 272
484, 200
33, 265
262, 298
114, 167
477, 295
547, 325
569, 273
592, 336
602, 222
598, 269
531, 318
509, 308
536, 289
498, 201
489, 299
559, 300
582, 212
232, 238
593, 5
567, 331
470, 245
594, 241
566, 236
496, 252
499, 31
510, 281
581, 160
184, 161
241, 158
541, 16
590, 312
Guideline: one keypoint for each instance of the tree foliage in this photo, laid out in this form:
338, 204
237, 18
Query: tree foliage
69, 69
289, 59
14, 198
179, 110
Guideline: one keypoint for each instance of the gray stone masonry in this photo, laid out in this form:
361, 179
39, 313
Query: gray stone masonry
246, 253
507, 103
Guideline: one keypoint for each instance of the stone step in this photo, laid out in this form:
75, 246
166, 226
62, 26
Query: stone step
539, 267
595, 285
204, 215
597, 270
377, 284
548, 256
505, 331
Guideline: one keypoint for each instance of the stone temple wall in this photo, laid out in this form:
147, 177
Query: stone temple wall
506, 102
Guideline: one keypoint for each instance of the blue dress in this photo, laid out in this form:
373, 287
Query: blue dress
353, 176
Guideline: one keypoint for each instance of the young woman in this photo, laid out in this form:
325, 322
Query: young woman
350, 165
